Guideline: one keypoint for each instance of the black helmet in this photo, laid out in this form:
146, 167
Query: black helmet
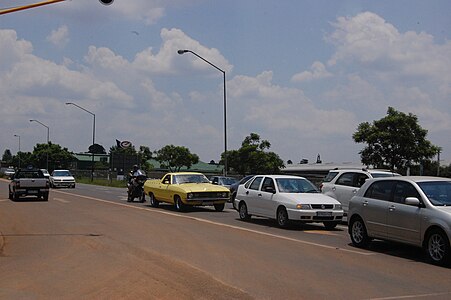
135, 167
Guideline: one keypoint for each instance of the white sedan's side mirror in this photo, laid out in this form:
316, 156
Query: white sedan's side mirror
413, 201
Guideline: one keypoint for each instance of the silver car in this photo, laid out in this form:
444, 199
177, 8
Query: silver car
411, 210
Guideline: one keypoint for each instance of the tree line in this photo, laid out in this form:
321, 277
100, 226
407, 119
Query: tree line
396, 142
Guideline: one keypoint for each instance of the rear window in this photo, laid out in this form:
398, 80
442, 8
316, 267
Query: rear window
330, 176
380, 175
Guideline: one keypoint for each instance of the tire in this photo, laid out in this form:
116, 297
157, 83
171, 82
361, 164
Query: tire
438, 248
282, 217
233, 201
358, 233
153, 202
219, 207
10, 195
46, 196
330, 225
16, 196
129, 198
143, 197
244, 215
178, 204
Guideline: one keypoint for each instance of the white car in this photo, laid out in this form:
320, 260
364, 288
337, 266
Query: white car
343, 184
62, 178
286, 198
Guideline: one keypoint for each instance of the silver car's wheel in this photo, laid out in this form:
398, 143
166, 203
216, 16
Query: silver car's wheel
438, 248
243, 212
282, 217
359, 236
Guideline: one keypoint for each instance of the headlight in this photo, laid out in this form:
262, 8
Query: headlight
303, 206
225, 195
338, 207
190, 195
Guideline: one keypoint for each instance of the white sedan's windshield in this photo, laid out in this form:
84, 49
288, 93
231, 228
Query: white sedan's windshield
61, 173
295, 185
438, 192
190, 178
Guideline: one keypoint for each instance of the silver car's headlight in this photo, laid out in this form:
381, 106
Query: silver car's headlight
338, 207
303, 206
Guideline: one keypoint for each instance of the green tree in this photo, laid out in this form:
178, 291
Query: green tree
253, 157
176, 157
393, 141
7, 156
96, 149
59, 157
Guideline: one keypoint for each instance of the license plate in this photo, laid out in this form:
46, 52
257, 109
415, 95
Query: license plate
32, 192
324, 213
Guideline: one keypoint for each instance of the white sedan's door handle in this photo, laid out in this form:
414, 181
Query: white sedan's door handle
365, 203
392, 208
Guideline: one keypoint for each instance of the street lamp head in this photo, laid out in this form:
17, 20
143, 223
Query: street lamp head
32, 120
182, 51
106, 2
17, 135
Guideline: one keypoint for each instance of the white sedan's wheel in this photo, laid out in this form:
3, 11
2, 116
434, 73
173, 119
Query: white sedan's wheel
282, 217
243, 212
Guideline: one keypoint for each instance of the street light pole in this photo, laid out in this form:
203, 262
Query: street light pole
225, 102
18, 153
93, 135
48, 145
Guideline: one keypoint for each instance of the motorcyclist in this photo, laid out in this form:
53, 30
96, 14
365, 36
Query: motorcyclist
132, 176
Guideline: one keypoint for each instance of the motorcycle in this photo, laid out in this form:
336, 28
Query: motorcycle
136, 187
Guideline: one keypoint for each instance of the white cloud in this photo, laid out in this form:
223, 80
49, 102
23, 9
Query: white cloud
59, 37
168, 61
318, 71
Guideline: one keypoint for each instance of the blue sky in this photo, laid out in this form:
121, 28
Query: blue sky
301, 74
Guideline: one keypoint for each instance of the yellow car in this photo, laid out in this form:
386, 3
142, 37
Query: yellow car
185, 189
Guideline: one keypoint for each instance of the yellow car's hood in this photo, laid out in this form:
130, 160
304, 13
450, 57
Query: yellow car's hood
202, 187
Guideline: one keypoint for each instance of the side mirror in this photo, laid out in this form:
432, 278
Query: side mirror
413, 201
269, 189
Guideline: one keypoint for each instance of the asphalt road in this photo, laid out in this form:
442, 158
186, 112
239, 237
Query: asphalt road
90, 243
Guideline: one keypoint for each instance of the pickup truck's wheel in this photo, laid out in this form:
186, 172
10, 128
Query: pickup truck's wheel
10, 195
46, 196
153, 202
219, 207
243, 212
179, 205
16, 196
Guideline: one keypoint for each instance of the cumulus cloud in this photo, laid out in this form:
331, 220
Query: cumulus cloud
59, 37
318, 71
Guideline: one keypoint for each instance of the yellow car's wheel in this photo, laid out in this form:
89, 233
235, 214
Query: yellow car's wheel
178, 204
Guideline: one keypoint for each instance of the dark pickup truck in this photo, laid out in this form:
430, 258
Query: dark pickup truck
29, 182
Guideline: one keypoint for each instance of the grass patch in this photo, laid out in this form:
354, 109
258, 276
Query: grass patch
103, 182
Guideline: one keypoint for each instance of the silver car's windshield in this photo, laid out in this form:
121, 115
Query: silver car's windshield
190, 178
438, 192
295, 185
228, 180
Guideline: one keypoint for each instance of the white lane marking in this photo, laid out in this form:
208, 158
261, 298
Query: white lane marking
61, 200
413, 296
223, 225
4, 200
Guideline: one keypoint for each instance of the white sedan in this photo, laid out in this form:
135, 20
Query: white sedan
62, 178
286, 198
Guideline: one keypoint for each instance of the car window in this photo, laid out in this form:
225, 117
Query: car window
215, 180
404, 190
295, 185
268, 182
438, 192
346, 179
256, 183
380, 190
167, 179
359, 179
331, 175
